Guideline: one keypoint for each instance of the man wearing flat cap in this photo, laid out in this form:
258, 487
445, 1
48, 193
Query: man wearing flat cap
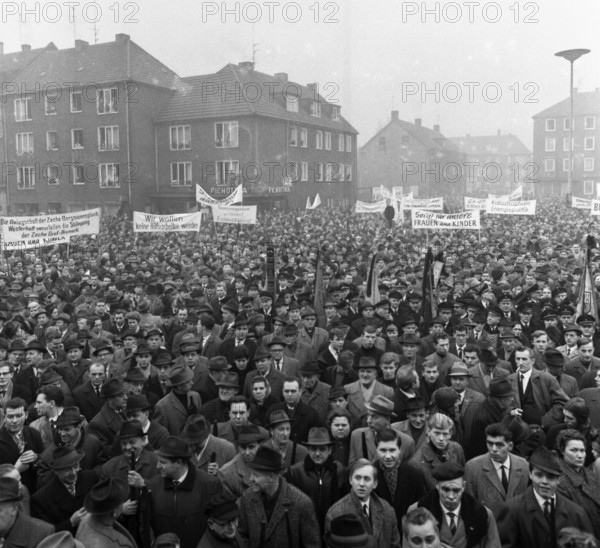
536, 519
222, 518
464, 522
274, 513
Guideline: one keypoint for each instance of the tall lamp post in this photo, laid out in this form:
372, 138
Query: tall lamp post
571, 55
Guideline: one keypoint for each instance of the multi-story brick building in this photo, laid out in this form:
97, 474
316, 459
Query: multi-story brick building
551, 153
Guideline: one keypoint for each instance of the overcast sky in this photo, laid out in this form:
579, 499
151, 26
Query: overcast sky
488, 66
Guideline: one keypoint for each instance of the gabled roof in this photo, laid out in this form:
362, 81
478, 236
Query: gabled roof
241, 91
98, 64
14, 62
491, 144
584, 103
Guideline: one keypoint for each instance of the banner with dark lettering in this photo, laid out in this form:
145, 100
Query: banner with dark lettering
468, 220
498, 207
179, 222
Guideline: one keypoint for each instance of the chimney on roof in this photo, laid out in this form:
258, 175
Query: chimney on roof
1, 48
395, 115
246, 66
80, 44
281, 76
418, 122
436, 127
25, 47
121, 38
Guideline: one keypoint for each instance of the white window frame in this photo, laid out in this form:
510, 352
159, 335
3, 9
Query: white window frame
567, 124
315, 109
551, 124
588, 186
106, 170
549, 165
73, 147
26, 178
335, 113
592, 124
550, 145
566, 146
226, 134
589, 164
348, 172
291, 103
107, 101
319, 172
50, 106
225, 168
589, 143
75, 178
348, 143
180, 137
327, 140
179, 169
53, 180
71, 102
48, 133
304, 172
110, 143
293, 137
24, 143
22, 106
303, 137
341, 142
341, 173
319, 139
329, 172
565, 164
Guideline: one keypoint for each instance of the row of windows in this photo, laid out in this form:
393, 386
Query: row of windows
107, 175
550, 164
299, 137
292, 105
107, 101
589, 122
108, 140
589, 143
228, 172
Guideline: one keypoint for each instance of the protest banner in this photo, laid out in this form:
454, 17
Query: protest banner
38, 231
516, 194
467, 220
244, 215
475, 203
235, 197
595, 207
178, 222
498, 207
436, 204
375, 207
580, 203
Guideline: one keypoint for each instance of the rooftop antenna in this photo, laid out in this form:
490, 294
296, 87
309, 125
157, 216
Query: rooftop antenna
95, 33
72, 12
254, 48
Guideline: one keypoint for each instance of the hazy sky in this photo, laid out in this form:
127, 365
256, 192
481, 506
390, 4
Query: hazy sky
487, 66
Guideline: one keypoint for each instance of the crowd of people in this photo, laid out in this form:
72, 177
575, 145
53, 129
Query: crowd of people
162, 390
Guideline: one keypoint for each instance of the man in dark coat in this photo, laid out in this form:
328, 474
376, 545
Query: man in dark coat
222, 515
107, 423
73, 369
536, 519
60, 502
88, 396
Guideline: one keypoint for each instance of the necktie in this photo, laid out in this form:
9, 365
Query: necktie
71, 489
97, 389
568, 351
504, 477
522, 381
452, 517
365, 510
176, 484
548, 509
460, 353
278, 365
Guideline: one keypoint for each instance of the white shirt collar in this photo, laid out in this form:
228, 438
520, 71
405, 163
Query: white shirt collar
506, 464
526, 376
541, 500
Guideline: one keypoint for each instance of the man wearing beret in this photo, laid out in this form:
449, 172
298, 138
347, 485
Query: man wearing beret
464, 522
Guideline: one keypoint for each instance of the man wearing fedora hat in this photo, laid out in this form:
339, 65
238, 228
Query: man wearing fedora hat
173, 410
29, 377
315, 337
99, 527
74, 368
314, 393
107, 423
217, 409
554, 363
209, 452
415, 424
484, 365
273, 512
348, 531
240, 338
319, 476
138, 408
60, 501
206, 375
467, 397
280, 428
179, 493
264, 368
222, 517
17, 528
538, 516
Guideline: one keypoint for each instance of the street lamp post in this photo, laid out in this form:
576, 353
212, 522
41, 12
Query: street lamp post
571, 55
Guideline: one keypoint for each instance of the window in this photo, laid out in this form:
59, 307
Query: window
588, 187
78, 174
566, 144
181, 174
228, 173
319, 172
52, 140
293, 136
26, 178
348, 143
24, 143
108, 174
329, 171
315, 109
588, 164
76, 138
341, 173
550, 145
226, 134
550, 124
590, 122
335, 113
567, 124
108, 138
348, 172
23, 109
291, 172
291, 103
181, 137
589, 143
549, 165
50, 101
76, 101
106, 101
341, 143
327, 140
304, 171
382, 144
53, 172
565, 164
319, 140
303, 137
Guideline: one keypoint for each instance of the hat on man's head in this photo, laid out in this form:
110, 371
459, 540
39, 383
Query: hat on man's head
318, 436
195, 430
137, 402
49, 376
546, 460
106, 496
250, 433
500, 388
70, 416
278, 417
310, 367
366, 362
414, 404
112, 387
489, 357
553, 358
35, 345
336, 392
64, 457
229, 380
347, 531
448, 471
131, 429
135, 375
10, 489
444, 397
231, 307
73, 343
261, 353
218, 363
308, 311
174, 447
585, 319
459, 369
180, 374
222, 508
267, 460
381, 405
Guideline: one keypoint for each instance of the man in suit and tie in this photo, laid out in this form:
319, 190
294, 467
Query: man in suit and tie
282, 363
264, 367
157, 384
498, 475
584, 366
330, 356
240, 338
536, 519
460, 341
467, 397
88, 396
484, 366
508, 340
230, 311
571, 333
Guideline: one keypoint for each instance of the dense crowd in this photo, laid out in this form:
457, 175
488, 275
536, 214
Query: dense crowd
162, 390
